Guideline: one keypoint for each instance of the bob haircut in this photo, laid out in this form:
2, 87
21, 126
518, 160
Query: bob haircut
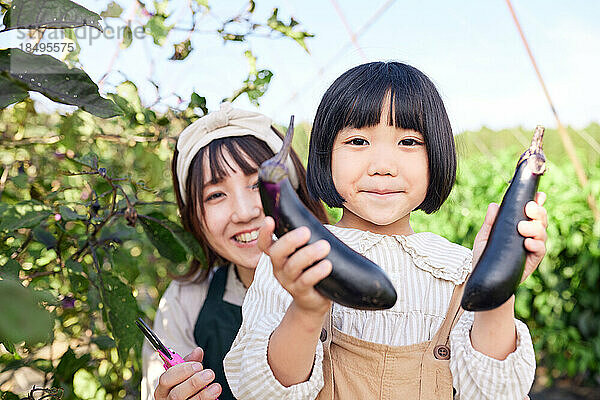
247, 152
355, 100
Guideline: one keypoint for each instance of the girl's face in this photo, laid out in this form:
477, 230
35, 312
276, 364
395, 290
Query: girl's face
382, 172
233, 214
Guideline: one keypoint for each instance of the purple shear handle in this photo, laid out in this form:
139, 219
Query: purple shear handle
169, 357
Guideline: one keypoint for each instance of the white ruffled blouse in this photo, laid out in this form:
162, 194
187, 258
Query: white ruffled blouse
424, 269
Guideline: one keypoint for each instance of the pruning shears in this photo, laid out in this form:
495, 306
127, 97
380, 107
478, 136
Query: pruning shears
169, 357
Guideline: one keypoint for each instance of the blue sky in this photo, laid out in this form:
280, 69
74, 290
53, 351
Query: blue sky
470, 49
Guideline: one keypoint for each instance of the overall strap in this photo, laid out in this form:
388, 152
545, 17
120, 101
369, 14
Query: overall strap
327, 393
216, 290
439, 343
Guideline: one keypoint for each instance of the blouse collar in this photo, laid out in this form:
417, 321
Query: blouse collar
429, 252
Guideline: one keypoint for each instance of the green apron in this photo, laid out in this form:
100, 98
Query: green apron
216, 327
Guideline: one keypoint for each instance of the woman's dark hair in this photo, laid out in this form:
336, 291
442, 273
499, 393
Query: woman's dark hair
239, 147
356, 99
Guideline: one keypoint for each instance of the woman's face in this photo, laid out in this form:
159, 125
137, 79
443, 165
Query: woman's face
233, 214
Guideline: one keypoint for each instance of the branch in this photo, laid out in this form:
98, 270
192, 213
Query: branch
32, 140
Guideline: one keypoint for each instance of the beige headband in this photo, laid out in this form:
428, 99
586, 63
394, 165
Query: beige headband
226, 122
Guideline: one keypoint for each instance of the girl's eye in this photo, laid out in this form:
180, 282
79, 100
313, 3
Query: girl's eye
255, 186
214, 196
357, 142
410, 142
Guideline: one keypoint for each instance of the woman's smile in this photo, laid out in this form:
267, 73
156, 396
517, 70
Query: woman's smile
246, 238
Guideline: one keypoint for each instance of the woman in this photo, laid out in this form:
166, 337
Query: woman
215, 173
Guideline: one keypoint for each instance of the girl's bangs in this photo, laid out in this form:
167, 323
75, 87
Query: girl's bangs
364, 105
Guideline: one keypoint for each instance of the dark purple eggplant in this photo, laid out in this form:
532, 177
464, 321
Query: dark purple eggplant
499, 270
355, 281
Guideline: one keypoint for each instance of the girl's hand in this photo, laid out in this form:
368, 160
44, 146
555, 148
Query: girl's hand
290, 265
188, 380
534, 232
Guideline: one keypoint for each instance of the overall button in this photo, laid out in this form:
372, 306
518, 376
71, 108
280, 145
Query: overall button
441, 352
323, 335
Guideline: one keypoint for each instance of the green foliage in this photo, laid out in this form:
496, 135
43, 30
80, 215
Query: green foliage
560, 302
54, 79
257, 82
31, 14
71, 229
289, 29
113, 10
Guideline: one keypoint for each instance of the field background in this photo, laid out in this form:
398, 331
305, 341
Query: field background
96, 353
89, 232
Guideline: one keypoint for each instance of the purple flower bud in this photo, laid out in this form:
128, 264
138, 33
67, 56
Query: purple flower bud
57, 217
68, 302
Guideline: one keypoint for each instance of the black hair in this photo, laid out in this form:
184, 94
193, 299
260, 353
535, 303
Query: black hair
355, 99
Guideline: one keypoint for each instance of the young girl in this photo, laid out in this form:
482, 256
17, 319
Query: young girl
215, 178
381, 147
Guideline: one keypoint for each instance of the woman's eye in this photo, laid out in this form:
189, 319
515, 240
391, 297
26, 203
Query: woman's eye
357, 142
255, 186
410, 142
214, 196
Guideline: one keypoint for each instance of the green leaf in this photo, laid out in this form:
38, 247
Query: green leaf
127, 37
72, 57
113, 10
8, 345
122, 311
163, 239
79, 283
22, 318
43, 236
69, 364
198, 101
257, 82
182, 50
187, 240
10, 270
156, 28
8, 395
11, 91
288, 30
89, 160
21, 181
128, 91
28, 220
73, 266
67, 214
32, 14
104, 342
54, 79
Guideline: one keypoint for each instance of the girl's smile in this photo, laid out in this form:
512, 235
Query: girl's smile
382, 173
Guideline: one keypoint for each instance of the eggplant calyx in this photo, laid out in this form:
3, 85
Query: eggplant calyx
534, 155
274, 170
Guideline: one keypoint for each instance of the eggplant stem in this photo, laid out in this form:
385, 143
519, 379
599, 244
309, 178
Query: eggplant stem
534, 155
274, 169
283, 154
536, 141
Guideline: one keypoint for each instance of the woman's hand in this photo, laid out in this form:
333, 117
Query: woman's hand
290, 265
534, 232
188, 380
